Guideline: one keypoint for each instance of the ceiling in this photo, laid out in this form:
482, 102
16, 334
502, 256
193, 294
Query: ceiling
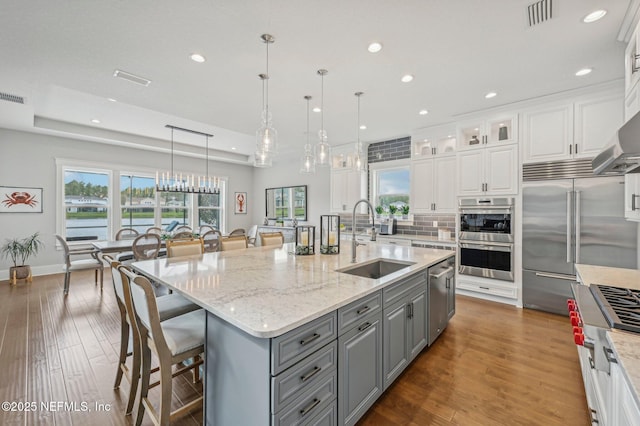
61, 56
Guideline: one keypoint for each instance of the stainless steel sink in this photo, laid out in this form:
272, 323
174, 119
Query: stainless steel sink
375, 269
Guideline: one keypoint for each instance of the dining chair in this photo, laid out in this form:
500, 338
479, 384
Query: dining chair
271, 238
80, 264
205, 228
233, 243
237, 231
251, 235
154, 230
182, 235
176, 248
169, 306
146, 246
126, 234
184, 228
211, 240
173, 341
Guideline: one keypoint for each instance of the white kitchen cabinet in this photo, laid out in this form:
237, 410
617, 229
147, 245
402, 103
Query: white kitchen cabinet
432, 141
571, 130
492, 170
433, 185
487, 131
346, 188
625, 410
632, 196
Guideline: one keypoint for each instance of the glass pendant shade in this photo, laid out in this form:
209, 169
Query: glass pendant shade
359, 157
322, 148
266, 135
323, 154
308, 160
262, 159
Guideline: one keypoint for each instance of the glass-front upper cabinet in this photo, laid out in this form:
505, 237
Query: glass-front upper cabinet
430, 141
493, 130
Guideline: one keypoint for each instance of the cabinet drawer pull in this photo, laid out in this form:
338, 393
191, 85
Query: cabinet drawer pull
363, 310
608, 353
309, 407
484, 288
594, 416
633, 202
308, 340
591, 363
310, 374
364, 326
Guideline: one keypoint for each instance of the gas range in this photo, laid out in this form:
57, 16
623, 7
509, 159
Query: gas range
620, 306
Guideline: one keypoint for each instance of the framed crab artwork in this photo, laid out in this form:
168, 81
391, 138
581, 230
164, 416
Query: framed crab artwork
16, 199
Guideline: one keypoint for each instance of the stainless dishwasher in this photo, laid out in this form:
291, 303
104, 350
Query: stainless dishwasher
442, 296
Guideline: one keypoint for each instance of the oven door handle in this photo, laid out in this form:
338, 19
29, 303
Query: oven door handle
487, 246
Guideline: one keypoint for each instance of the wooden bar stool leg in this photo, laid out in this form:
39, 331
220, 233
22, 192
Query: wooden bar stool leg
145, 373
124, 345
165, 389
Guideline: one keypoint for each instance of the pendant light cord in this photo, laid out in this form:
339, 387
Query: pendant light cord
322, 104
171, 153
307, 147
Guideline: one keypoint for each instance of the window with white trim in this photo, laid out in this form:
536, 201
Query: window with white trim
390, 184
87, 208
137, 202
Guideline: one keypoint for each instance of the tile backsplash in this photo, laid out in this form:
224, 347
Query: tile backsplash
422, 224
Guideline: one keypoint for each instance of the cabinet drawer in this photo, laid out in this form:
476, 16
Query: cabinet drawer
327, 417
350, 315
302, 341
507, 291
303, 375
401, 289
305, 408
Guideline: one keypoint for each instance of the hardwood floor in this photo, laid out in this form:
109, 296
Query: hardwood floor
494, 364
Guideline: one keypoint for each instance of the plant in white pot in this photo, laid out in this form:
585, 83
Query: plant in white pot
19, 251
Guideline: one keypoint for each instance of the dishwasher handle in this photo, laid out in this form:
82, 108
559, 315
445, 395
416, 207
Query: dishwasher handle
441, 274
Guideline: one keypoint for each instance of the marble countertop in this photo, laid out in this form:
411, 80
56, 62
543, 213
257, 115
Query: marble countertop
268, 291
626, 344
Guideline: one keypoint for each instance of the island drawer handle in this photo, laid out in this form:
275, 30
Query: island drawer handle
364, 326
310, 374
309, 339
363, 310
309, 407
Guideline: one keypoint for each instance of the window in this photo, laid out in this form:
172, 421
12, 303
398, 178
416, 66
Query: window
137, 202
175, 206
209, 210
86, 205
390, 184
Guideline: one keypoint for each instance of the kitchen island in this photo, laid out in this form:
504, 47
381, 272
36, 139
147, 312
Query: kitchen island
279, 327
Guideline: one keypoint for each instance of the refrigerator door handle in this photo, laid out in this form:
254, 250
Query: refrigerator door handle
556, 276
569, 215
578, 231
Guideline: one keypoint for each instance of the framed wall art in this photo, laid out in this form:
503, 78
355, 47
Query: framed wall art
240, 203
20, 199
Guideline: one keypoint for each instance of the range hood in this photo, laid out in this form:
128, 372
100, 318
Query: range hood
622, 154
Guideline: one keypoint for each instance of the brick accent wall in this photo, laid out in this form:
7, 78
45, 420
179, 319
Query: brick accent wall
394, 149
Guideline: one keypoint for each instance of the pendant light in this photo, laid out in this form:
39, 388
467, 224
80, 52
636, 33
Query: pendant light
266, 135
308, 161
359, 158
174, 182
323, 149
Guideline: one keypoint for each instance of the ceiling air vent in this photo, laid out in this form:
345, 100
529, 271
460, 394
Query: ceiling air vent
11, 98
539, 12
131, 77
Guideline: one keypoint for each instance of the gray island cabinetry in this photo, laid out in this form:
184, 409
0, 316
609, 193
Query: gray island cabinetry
292, 341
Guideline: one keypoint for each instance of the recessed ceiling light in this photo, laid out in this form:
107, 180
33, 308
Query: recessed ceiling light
583, 71
425, 140
95, 121
375, 47
449, 136
423, 112
111, 100
406, 78
594, 16
233, 148
491, 95
363, 127
316, 109
196, 57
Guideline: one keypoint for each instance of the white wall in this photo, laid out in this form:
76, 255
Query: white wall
286, 172
28, 159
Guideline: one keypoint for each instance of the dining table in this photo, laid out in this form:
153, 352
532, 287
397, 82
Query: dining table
117, 246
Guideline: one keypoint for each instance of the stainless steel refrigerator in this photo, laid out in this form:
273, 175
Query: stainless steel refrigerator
569, 221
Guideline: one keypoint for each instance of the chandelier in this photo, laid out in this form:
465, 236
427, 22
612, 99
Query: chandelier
266, 135
323, 149
308, 162
171, 181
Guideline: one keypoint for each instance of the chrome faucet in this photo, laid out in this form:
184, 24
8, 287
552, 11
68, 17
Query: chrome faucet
354, 243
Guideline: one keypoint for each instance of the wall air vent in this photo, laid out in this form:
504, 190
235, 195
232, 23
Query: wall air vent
539, 12
11, 98
131, 77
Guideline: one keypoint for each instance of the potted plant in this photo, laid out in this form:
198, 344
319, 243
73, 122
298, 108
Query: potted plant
379, 211
392, 210
405, 211
19, 251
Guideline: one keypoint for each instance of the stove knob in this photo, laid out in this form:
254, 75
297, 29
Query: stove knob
571, 305
578, 338
575, 319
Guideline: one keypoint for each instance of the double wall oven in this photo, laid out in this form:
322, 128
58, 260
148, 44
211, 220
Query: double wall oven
485, 237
